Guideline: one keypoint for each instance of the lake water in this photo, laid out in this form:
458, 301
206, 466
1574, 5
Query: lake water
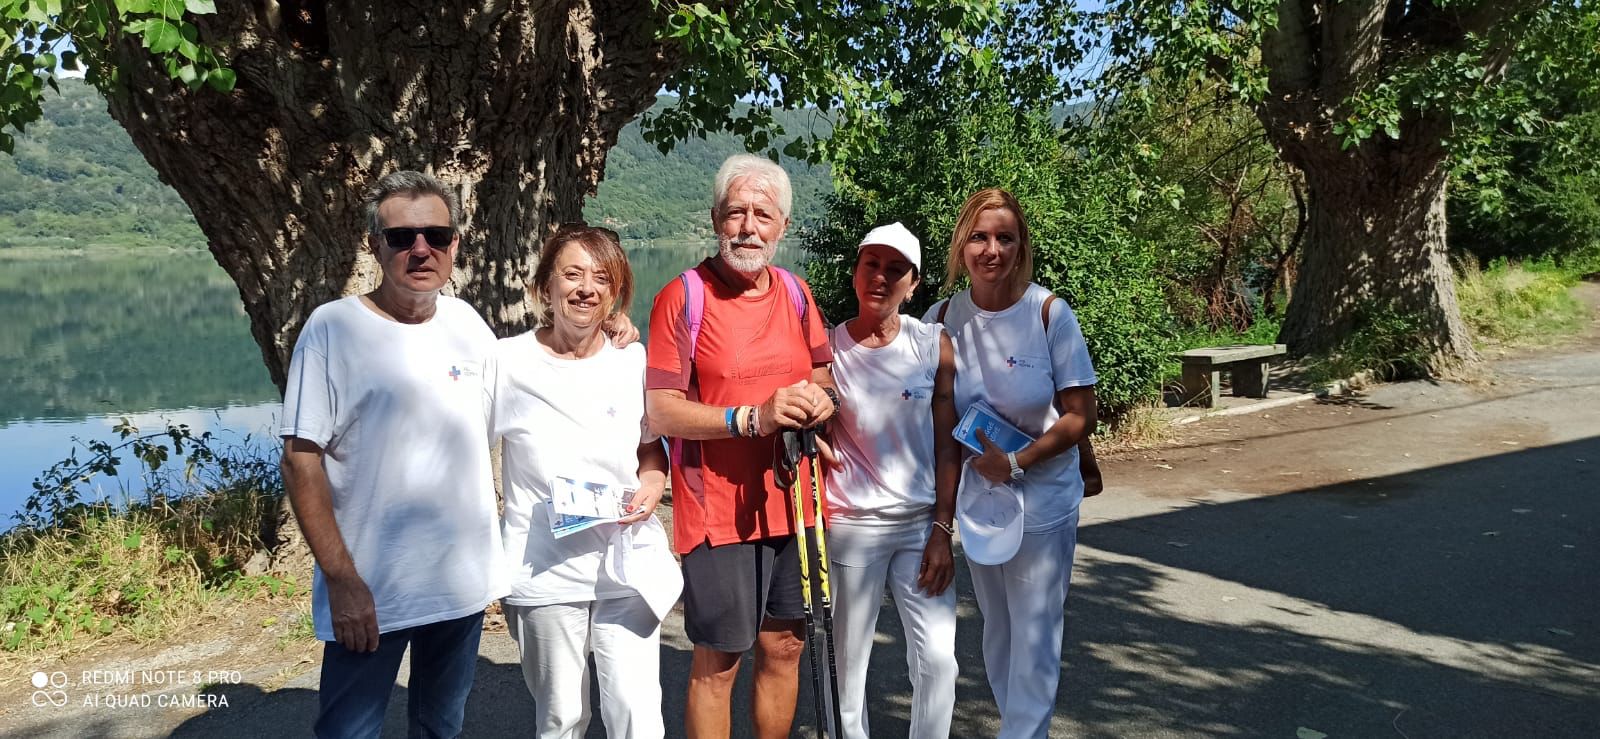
158, 337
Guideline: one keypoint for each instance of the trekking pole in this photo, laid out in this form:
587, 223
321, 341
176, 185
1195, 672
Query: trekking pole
809, 441
792, 456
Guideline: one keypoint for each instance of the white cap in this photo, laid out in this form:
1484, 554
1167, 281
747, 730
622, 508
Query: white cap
898, 238
990, 517
639, 557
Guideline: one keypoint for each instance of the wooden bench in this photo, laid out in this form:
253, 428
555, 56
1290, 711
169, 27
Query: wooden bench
1248, 365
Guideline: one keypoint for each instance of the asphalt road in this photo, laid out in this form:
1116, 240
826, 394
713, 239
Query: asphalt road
1419, 561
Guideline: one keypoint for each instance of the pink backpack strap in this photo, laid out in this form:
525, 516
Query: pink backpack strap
694, 313
796, 295
694, 307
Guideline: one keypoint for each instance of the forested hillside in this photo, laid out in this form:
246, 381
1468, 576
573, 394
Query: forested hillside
77, 181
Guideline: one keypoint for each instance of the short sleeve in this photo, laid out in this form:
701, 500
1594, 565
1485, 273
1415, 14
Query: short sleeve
816, 329
1069, 355
310, 404
667, 352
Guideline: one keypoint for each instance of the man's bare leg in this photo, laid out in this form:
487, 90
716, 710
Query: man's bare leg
777, 683
707, 712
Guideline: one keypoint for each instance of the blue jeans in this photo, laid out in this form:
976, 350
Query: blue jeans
355, 685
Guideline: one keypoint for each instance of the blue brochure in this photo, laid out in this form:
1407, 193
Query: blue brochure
1000, 431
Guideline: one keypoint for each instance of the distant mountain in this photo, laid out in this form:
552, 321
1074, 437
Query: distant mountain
76, 180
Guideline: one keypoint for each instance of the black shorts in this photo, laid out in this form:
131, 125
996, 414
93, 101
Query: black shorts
728, 590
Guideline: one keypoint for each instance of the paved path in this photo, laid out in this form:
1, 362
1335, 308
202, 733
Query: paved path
1420, 561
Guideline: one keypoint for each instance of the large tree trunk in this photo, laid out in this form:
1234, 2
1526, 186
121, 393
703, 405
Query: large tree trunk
1375, 241
514, 103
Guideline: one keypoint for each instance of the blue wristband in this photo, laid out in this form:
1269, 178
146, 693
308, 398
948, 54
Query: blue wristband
727, 420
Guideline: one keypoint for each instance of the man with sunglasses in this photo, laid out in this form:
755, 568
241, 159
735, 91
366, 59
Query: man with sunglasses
386, 461
387, 467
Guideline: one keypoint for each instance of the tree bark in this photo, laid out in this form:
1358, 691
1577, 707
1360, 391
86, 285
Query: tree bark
514, 103
1375, 241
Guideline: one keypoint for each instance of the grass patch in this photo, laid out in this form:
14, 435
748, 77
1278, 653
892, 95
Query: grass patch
1139, 428
1530, 303
73, 573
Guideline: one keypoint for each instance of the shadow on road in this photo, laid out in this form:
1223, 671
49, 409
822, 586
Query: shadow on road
1461, 600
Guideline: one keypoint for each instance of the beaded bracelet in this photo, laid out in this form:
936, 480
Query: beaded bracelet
751, 421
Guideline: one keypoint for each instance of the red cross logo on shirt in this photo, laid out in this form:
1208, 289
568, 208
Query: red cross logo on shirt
455, 373
1011, 362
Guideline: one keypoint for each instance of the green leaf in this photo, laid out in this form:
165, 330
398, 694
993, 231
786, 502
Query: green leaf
69, 60
161, 37
169, 8
133, 541
201, 7
128, 7
221, 79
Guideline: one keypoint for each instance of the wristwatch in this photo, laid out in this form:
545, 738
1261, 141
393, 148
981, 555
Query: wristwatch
1016, 470
833, 395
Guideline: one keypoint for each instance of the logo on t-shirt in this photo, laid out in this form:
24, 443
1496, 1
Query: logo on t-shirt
1014, 362
914, 394
458, 371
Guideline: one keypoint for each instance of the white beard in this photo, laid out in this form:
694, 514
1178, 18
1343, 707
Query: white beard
745, 264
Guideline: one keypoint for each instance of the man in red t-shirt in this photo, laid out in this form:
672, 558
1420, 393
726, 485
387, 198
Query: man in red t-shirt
758, 367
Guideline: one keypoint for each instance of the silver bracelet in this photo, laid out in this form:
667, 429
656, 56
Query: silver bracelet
945, 527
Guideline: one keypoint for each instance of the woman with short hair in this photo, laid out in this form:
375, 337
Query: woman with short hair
569, 407
1019, 349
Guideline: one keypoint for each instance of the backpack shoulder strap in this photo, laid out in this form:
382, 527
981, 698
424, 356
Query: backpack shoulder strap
797, 296
694, 313
694, 305
944, 307
1044, 312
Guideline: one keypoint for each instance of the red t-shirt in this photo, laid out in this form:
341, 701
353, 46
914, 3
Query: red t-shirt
724, 492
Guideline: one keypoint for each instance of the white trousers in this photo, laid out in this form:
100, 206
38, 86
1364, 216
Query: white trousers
555, 642
1024, 603
865, 558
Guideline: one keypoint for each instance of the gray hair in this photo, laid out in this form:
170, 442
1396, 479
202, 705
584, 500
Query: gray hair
411, 184
765, 174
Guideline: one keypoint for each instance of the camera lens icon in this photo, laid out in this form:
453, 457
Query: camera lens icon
49, 691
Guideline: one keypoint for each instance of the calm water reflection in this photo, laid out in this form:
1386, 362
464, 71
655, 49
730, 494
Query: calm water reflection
89, 340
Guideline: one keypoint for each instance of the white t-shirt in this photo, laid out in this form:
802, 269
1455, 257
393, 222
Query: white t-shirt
581, 419
395, 408
1005, 358
884, 434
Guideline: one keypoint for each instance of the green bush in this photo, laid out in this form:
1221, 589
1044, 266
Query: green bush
1077, 203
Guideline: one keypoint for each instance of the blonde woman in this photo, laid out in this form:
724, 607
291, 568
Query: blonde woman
1019, 349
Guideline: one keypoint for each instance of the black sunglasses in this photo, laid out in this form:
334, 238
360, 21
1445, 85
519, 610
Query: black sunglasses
401, 237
